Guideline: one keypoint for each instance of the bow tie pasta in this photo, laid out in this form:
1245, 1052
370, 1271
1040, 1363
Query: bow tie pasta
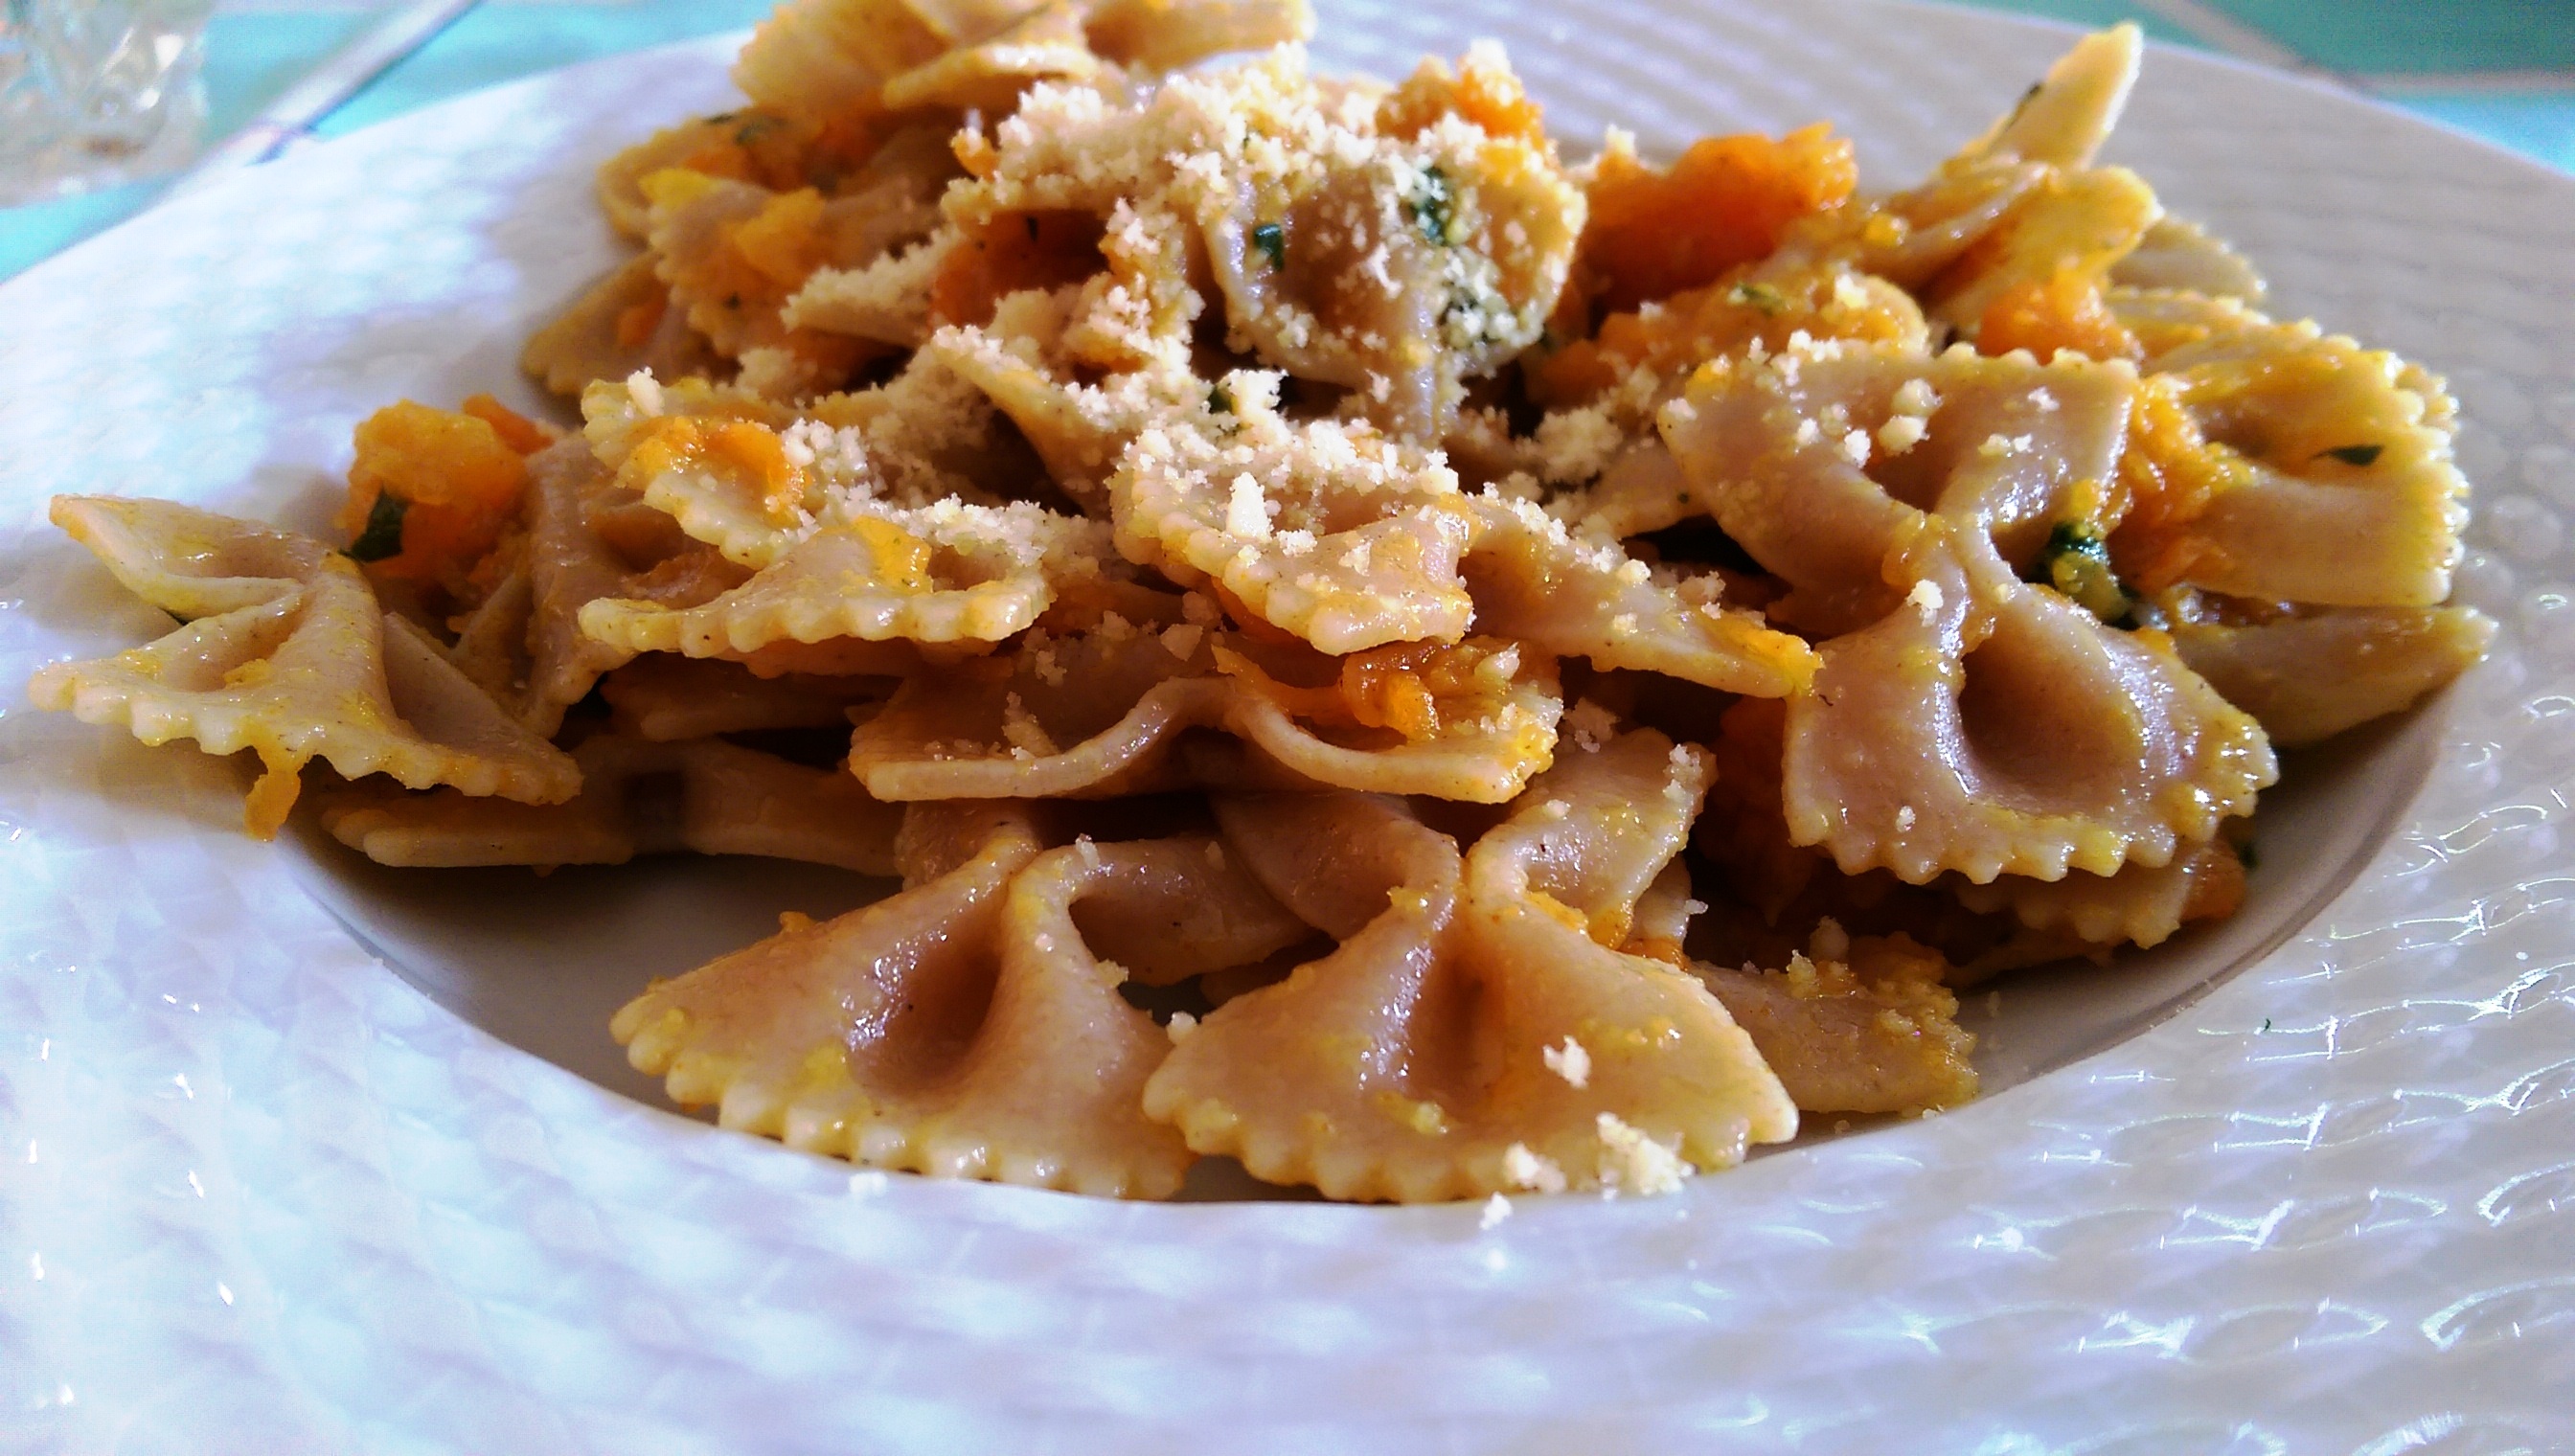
1373, 652
284, 650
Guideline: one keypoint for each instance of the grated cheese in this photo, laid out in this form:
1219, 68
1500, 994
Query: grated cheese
1591, 725
1572, 1061
1632, 1163
1535, 1172
1026, 737
645, 391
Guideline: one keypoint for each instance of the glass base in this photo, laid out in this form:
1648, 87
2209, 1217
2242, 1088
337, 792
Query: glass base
95, 93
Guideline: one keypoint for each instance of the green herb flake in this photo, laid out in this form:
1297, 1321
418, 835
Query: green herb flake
1272, 240
383, 536
2076, 562
1220, 399
1758, 295
1434, 206
2266, 1023
2360, 455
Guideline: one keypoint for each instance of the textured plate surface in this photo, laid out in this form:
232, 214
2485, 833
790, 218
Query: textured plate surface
258, 1194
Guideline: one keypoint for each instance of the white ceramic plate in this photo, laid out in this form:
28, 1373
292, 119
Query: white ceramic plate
258, 1193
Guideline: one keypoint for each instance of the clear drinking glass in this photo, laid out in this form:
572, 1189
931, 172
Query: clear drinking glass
97, 92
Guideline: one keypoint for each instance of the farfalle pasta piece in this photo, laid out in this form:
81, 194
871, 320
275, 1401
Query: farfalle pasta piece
588, 539
745, 478
753, 144
1962, 719
1470, 1035
1871, 1028
1470, 720
755, 478
1534, 579
1772, 899
1990, 727
811, 59
822, 60
2027, 175
2139, 905
2178, 255
2064, 119
621, 416
285, 651
1020, 360
1092, 713
2070, 228
663, 698
1098, 712
887, 301
989, 73
1165, 35
637, 797
799, 503
2311, 676
1164, 910
623, 323
1820, 460
960, 1028
943, 575
2276, 462
1142, 311
731, 253
2029, 273
1399, 293
1326, 530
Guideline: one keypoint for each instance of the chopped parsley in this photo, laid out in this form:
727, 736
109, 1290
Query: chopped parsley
1271, 239
2362, 455
1758, 295
1219, 400
1434, 206
2076, 562
2266, 1023
383, 536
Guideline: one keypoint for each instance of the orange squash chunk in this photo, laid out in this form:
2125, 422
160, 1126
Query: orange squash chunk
458, 479
1013, 252
2063, 312
1723, 204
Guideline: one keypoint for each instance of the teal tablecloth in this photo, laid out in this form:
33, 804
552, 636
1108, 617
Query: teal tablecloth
2502, 69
